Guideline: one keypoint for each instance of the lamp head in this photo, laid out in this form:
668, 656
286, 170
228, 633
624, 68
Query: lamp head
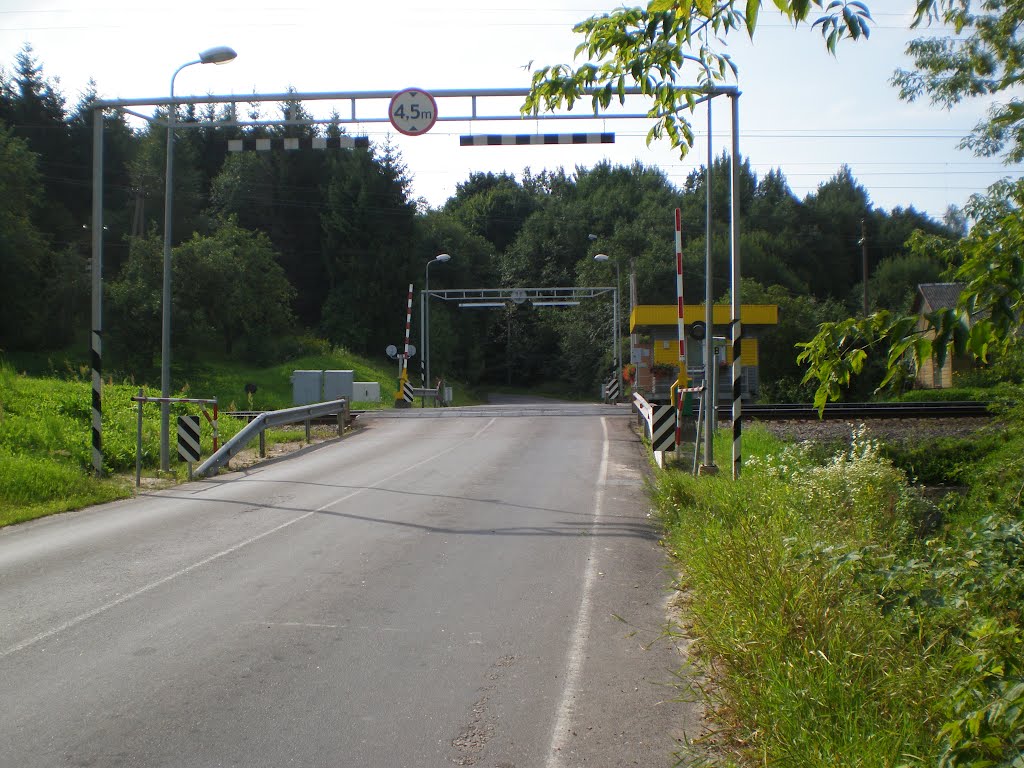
601, 257
442, 257
220, 54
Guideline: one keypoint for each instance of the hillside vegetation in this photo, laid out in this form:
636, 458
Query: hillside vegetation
843, 616
45, 436
271, 246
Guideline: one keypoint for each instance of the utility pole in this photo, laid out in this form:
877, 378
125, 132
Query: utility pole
864, 260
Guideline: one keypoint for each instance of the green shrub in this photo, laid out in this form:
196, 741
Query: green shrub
31, 487
834, 631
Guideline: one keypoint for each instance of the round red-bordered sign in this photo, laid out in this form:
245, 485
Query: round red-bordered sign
412, 111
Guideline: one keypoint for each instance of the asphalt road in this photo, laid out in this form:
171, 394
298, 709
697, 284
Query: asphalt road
453, 590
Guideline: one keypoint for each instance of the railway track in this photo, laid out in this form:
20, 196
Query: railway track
859, 411
807, 412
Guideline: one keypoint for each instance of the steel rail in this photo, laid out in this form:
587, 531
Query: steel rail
846, 411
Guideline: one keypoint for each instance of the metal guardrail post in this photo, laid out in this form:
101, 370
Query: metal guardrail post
344, 417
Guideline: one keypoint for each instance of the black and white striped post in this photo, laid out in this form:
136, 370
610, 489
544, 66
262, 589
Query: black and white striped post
737, 326
96, 333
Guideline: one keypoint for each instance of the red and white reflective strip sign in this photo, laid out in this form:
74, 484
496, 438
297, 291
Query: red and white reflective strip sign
408, 326
681, 312
681, 319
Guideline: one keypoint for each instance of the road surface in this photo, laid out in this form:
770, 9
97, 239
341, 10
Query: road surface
434, 590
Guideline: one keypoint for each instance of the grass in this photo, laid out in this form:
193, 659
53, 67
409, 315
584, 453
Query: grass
843, 619
45, 439
32, 487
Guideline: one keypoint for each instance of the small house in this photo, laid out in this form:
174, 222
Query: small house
931, 297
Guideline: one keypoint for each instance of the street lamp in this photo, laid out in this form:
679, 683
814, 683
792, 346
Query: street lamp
220, 54
425, 319
617, 352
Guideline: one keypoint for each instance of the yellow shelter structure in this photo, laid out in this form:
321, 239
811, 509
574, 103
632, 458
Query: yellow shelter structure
654, 340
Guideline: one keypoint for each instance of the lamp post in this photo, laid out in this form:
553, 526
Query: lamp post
425, 324
221, 54
617, 352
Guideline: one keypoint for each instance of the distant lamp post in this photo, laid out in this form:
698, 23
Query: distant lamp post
221, 54
425, 319
617, 352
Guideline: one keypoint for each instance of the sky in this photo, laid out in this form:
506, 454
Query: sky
801, 110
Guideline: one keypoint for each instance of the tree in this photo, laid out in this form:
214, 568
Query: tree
148, 170
799, 317
456, 335
983, 58
646, 48
985, 322
493, 206
282, 194
368, 225
230, 284
226, 285
892, 285
23, 249
133, 312
119, 199
835, 211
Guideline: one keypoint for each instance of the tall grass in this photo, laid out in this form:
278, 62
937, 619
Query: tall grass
839, 627
32, 487
45, 436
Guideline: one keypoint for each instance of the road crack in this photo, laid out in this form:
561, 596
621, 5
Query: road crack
472, 740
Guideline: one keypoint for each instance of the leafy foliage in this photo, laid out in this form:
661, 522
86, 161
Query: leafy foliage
23, 249
843, 618
987, 261
981, 58
342, 230
231, 284
646, 48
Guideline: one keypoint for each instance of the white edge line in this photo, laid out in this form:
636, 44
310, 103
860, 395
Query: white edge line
581, 630
83, 617
484, 428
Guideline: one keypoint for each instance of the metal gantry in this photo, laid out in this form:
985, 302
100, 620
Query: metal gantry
495, 298
498, 297
470, 111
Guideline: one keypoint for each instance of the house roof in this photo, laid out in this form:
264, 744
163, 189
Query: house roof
934, 296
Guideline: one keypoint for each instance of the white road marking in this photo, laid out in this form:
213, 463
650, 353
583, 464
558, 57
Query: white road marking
83, 617
574, 658
483, 428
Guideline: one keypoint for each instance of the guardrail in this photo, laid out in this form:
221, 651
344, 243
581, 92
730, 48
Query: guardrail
269, 419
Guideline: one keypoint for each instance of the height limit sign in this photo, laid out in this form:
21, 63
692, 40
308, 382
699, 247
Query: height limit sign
413, 112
